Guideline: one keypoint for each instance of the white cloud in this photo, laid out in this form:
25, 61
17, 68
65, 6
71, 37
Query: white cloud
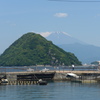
61, 15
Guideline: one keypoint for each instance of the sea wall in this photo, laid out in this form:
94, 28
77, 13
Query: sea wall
51, 75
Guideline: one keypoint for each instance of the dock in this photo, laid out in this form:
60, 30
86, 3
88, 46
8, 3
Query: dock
32, 77
26, 78
85, 76
80, 72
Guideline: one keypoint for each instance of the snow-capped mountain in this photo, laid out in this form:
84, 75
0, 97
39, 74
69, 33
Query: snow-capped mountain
86, 53
59, 38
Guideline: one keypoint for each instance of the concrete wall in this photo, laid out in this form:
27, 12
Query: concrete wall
11, 77
60, 76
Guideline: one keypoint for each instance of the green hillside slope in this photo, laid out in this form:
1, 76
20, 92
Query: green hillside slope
33, 49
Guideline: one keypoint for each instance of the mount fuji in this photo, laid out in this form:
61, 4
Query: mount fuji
86, 53
60, 38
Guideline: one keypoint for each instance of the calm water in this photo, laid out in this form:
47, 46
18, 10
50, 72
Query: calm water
52, 91
60, 68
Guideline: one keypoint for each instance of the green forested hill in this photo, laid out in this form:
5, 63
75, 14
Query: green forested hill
33, 49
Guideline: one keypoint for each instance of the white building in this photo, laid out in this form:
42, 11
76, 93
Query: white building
96, 63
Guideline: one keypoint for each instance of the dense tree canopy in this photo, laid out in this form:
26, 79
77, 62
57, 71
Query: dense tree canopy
33, 49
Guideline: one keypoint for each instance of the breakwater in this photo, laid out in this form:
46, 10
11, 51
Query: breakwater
27, 78
85, 76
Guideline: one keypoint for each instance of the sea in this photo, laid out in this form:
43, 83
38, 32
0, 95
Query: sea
54, 90
58, 90
38, 68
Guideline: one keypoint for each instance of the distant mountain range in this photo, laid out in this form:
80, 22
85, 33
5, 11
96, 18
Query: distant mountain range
86, 53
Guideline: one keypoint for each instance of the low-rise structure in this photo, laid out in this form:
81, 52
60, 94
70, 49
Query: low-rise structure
96, 63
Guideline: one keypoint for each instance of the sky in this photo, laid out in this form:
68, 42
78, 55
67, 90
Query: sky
79, 19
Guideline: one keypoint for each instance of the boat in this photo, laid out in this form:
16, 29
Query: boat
73, 77
4, 81
30, 69
41, 82
44, 70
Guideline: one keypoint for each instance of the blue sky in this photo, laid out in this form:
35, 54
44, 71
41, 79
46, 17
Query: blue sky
79, 19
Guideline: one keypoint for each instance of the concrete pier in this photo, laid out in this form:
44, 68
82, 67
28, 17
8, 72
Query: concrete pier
85, 76
28, 78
